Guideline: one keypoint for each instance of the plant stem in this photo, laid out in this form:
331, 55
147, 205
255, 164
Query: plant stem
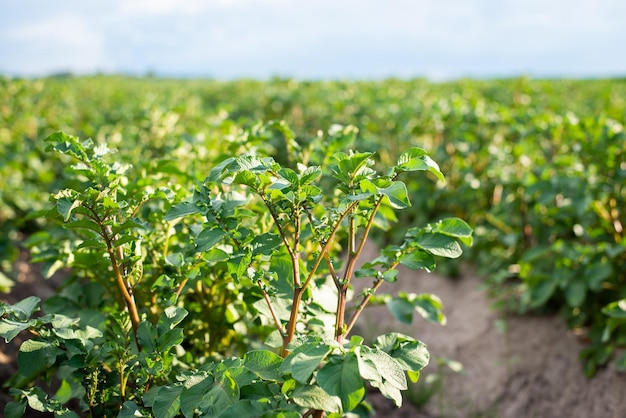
123, 287
365, 301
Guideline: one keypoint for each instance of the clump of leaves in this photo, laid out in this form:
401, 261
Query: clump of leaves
286, 242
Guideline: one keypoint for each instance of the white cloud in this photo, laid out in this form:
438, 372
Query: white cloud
57, 43
324, 37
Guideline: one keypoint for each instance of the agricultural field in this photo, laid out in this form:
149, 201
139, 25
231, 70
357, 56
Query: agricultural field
210, 199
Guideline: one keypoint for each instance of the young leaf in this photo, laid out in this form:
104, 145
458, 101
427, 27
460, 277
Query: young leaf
416, 159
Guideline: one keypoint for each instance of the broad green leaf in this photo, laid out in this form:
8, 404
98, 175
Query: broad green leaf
131, 410
15, 409
389, 391
64, 393
391, 371
265, 363
25, 307
265, 243
289, 175
169, 339
397, 195
10, 329
223, 393
401, 309
172, 316
167, 403
36, 356
65, 206
208, 238
342, 378
429, 307
575, 292
541, 292
193, 390
310, 174
304, 360
439, 244
147, 336
128, 224
412, 355
84, 223
418, 259
455, 227
37, 399
180, 210
314, 397
416, 159
367, 368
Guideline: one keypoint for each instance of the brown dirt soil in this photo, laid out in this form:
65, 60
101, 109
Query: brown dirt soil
513, 366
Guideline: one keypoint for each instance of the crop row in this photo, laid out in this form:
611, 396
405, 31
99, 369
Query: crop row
535, 166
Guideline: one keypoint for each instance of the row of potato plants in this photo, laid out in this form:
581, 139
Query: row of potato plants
536, 165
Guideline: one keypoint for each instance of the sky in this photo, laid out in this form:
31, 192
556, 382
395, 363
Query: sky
321, 39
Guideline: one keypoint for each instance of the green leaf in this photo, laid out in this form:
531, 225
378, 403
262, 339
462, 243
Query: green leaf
341, 377
429, 306
397, 195
208, 238
455, 227
180, 210
575, 292
38, 400
416, 159
266, 243
304, 360
314, 397
169, 339
439, 244
167, 403
65, 206
131, 410
412, 355
195, 387
84, 223
64, 393
35, 357
310, 174
391, 371
401, 309
25, 307
418, 259
15, 409
265, 363
223, 393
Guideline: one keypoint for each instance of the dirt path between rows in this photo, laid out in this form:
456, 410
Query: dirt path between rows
513, 366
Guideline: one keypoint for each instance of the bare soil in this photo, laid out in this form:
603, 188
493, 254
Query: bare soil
513, 366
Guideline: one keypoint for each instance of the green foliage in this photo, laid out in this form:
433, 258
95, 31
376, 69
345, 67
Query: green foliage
535, 166
167, 288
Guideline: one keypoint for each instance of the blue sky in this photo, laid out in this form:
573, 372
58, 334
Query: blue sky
437, 39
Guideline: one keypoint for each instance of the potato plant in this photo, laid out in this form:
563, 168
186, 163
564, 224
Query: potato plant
234, 301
